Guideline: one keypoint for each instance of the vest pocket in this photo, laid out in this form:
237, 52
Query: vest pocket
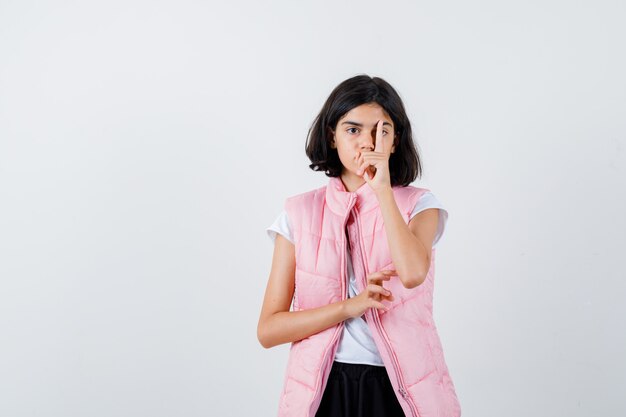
315, 290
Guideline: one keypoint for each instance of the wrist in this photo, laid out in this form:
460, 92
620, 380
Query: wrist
344, 308
384, 191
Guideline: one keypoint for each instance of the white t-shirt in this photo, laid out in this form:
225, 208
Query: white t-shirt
356, 344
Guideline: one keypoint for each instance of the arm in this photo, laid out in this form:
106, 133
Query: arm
410, 245
278, 325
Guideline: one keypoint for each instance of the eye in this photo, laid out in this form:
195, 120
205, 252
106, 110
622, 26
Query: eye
350, 128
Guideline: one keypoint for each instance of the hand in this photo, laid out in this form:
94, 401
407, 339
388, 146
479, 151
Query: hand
374, 165
372, 295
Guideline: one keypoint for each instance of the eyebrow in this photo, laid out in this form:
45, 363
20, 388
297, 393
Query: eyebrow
349, 122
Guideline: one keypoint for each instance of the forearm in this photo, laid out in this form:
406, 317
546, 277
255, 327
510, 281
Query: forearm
408, 253
290, 326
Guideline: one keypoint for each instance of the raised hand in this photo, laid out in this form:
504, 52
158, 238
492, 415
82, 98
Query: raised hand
374, 165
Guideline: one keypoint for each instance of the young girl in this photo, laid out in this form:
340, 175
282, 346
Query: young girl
356, 257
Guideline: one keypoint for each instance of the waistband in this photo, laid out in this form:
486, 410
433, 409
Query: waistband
356, 370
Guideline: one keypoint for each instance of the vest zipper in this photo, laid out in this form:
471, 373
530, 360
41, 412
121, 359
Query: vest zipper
344, 296
379, 326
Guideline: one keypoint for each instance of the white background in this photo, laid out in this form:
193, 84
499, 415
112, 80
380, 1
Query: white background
146, 145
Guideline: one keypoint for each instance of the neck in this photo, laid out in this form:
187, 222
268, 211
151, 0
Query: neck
351, 181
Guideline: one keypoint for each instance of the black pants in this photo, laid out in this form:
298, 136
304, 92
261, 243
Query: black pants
358, 390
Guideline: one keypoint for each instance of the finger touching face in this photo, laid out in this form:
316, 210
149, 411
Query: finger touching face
364, 128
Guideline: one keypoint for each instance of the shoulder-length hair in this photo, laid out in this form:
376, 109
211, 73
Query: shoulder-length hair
404, 163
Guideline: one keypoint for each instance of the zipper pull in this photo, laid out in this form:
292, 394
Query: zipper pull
402, 392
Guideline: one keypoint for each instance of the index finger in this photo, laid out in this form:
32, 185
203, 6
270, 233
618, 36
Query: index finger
380, 275
379, 137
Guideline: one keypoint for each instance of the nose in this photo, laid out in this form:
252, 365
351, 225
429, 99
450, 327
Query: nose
368, 141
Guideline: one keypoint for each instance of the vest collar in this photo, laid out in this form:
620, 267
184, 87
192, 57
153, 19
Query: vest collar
341, 200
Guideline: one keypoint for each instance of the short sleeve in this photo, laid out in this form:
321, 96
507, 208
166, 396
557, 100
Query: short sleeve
280, 225
426, 201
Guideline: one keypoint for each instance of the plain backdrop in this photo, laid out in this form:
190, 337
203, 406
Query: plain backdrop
146, 145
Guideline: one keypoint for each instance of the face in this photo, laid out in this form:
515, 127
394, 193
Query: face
356, 131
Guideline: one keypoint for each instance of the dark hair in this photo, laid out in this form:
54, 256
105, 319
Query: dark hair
404, 163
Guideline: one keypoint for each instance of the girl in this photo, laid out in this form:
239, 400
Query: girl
356, 257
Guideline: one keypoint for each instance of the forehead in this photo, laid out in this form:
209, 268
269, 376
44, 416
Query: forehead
368, 114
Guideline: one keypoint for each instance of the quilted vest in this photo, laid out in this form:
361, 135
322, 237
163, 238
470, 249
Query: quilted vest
322, 220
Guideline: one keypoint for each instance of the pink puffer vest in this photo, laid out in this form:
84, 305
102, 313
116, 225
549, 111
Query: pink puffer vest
406, 335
